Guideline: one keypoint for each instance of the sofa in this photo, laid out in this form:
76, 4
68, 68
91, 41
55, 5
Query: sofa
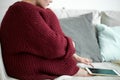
96, 36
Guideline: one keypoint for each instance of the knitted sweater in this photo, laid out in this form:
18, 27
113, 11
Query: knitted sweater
33, 44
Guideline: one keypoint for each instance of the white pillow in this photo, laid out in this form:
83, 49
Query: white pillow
110, 18
109, 42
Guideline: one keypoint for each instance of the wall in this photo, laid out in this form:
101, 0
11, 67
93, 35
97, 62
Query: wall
71, 4
4, 4
88, 4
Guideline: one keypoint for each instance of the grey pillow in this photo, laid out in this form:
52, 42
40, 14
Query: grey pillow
82, 32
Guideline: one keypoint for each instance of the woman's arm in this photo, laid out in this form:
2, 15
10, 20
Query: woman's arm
39, 36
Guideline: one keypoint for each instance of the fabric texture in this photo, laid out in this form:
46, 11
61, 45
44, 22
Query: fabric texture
83, 33
109, 41
2, 70
33, 44
3, 75
110, 18
103, 65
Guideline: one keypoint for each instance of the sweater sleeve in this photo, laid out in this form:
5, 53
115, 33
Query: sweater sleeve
37, 38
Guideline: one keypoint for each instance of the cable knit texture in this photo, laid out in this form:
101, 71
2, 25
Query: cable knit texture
33, 44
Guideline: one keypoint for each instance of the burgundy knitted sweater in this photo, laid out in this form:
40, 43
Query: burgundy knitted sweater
33, 44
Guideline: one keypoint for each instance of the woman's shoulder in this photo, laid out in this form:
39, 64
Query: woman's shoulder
24, 6
49, 10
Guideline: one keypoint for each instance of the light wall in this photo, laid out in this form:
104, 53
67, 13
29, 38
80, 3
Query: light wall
87, 4
71, 4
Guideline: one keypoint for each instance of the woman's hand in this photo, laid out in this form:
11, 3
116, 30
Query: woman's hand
82, 60
82, 72
73, 43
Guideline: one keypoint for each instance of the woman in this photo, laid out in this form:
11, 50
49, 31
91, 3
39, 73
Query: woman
33, 44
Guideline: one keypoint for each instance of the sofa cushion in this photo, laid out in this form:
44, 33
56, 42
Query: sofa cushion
3, 74
110, 18
109, 40
82, 32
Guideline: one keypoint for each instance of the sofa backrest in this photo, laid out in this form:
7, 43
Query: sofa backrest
2, 69
66, 13
3, 75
